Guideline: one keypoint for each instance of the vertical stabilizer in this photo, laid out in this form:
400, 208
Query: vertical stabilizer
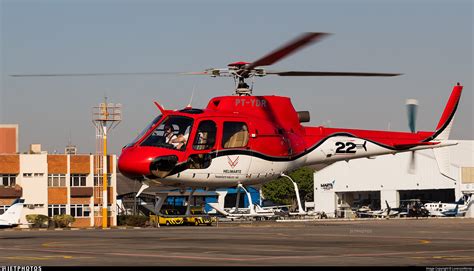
12, 214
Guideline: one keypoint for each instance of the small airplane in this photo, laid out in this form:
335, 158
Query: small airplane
388, 212
254, 211
441, 209
245, 140
11, 217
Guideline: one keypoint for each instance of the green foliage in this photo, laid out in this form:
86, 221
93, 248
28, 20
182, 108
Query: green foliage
282, 191
63, 221
132, 220
37, 221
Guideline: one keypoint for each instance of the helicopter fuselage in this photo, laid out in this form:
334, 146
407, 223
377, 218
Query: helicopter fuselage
250, 140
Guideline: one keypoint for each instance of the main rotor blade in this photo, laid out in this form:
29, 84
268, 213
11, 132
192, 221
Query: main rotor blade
291, 47
94, 74
307, 73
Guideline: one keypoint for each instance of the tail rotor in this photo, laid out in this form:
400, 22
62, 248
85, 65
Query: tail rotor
412, 108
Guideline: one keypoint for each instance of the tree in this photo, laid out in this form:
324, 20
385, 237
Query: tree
282, 191
63, 221
37, 221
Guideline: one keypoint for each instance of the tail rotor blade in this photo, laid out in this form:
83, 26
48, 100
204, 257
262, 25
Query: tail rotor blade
412, 106
412, 165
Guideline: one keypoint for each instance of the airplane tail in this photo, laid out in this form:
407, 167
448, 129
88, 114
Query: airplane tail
443, 129
13, 213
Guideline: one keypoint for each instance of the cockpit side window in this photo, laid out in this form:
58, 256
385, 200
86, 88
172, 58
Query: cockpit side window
172, 133
235, 135
147, 128
205, 137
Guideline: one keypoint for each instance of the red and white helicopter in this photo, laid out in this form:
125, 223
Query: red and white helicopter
243, 140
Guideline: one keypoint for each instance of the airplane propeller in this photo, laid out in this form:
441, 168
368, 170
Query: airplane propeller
412, 108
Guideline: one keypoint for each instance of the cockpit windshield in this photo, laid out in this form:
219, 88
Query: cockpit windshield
147, 128
172, 133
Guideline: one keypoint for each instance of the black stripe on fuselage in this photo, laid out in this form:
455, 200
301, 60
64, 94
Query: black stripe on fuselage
289, 158
184, 166
448, 121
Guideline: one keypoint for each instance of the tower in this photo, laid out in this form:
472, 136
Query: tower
105, 117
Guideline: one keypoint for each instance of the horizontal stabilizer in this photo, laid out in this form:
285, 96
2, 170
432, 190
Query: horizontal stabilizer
411, 145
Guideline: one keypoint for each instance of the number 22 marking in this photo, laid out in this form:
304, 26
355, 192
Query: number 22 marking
341, 147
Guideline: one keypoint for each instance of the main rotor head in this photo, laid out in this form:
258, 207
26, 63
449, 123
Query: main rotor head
243, 70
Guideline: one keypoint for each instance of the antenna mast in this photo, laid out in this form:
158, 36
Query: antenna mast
105, 117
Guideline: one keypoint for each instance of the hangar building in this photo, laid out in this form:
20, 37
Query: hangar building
343, 186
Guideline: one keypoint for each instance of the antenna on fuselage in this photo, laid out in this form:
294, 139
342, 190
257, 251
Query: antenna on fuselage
192, 96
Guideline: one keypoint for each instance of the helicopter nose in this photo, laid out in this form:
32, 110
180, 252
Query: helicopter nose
134, 163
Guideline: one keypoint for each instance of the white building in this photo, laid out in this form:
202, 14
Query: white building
387, 178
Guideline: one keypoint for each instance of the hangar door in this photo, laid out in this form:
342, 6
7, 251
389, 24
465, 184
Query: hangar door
428, 195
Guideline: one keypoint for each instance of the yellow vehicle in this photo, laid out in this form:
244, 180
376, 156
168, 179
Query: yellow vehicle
199, 218
169, 217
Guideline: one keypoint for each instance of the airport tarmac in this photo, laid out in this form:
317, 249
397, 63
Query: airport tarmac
431, 242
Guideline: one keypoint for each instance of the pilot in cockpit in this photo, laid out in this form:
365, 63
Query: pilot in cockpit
178, 141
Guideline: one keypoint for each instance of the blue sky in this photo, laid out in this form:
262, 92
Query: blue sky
430, 42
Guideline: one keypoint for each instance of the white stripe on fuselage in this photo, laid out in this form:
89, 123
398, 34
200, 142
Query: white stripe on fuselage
229, 171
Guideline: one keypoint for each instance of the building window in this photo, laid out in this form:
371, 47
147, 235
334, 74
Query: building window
27, 175
99, 177
8, 179
78, 179
56, 209
3, 209
56, 180
80, 210
98, 210
38, 174
235, 135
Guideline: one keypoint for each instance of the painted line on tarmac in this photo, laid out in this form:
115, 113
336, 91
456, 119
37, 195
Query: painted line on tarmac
384, 236
41, 258
246, 258
363, 254
450, 258
131, 254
